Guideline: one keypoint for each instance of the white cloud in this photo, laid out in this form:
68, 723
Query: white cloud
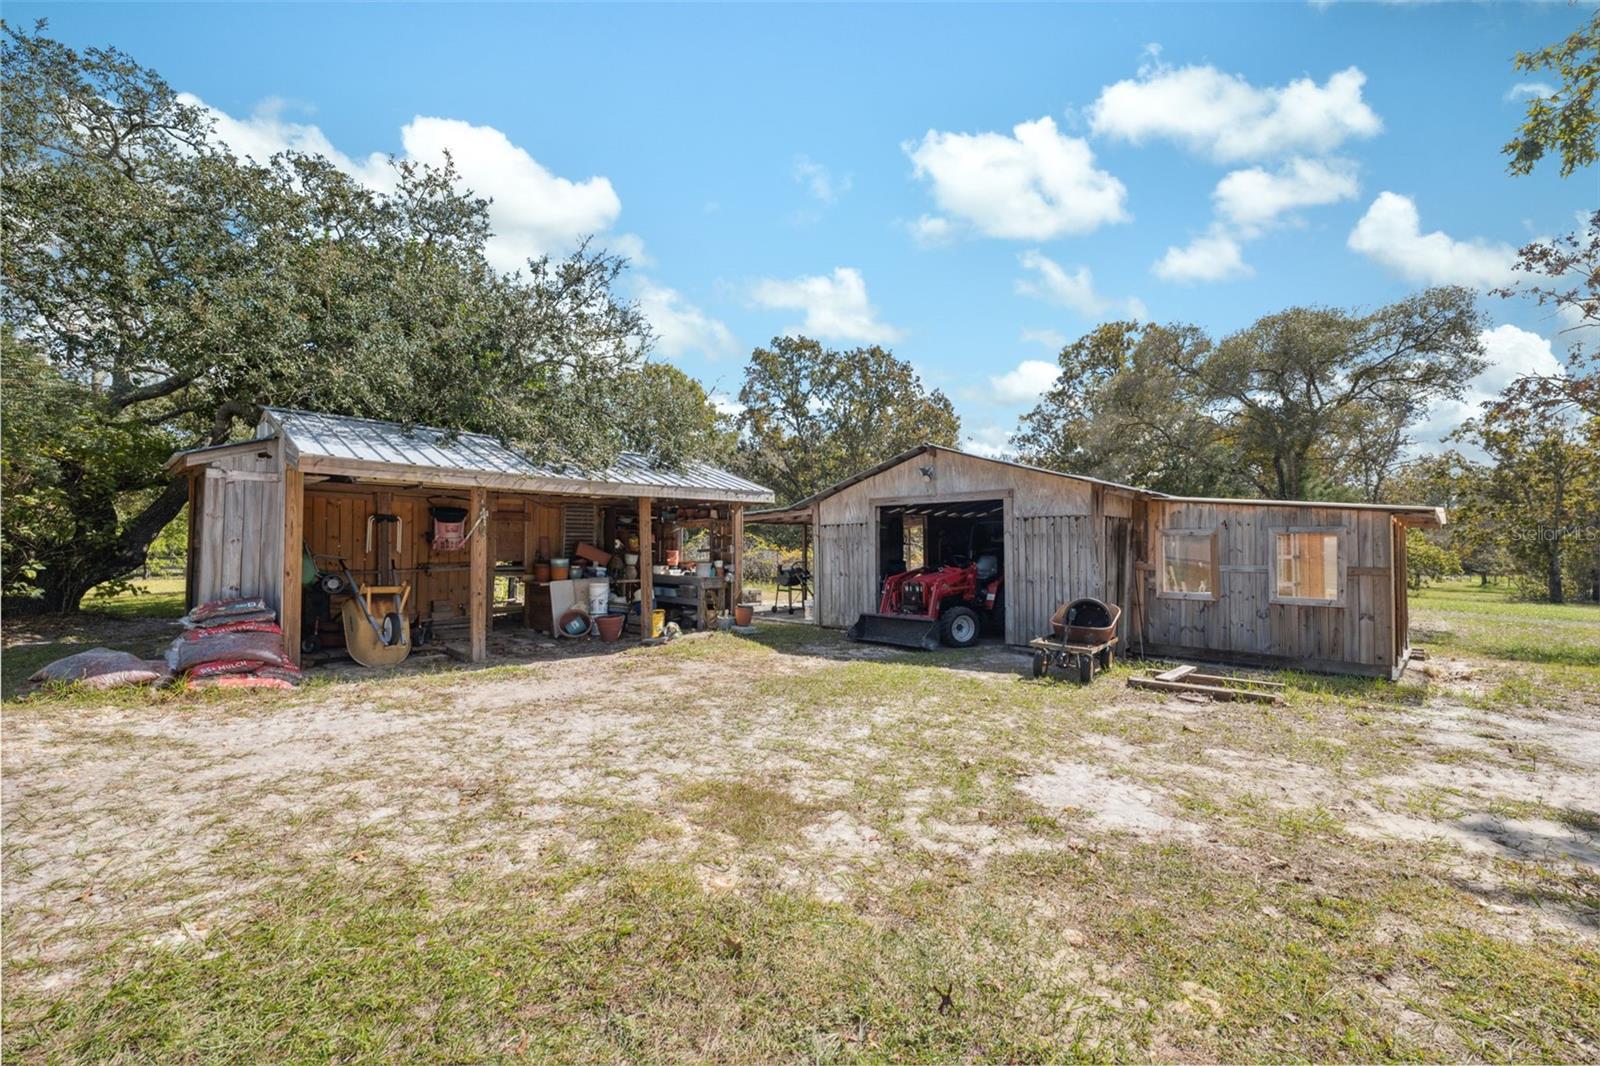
1035, 184
728, 406
1213, 256
1050, 338
835, 306
1254, 198
1539, 89
1025, 382
929, 231
681, 327
1390, 233
1069, 288
991, 441
1511, 353
1225, 117
819, 180
533, 212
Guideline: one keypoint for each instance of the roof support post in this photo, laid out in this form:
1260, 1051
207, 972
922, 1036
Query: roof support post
478, 574
291, 591
647, 590
736, 594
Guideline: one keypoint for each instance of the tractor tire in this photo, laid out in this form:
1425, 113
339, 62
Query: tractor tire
959, 628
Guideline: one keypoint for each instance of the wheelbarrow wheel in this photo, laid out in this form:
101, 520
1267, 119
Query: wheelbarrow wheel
1041, 664
1086, 668
393, 629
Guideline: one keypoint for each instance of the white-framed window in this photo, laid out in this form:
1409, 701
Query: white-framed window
1308, 566
1189, 564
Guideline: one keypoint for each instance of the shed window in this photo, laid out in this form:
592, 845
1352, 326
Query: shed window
1307, 569
1189, 564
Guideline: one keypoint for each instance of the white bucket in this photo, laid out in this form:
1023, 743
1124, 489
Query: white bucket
599, 596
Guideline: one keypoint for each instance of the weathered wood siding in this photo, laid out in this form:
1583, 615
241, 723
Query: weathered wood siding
239, 526
336, 525
1054, 527
1242, 621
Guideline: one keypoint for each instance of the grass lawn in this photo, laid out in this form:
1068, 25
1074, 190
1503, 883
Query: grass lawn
129, 621
787, 846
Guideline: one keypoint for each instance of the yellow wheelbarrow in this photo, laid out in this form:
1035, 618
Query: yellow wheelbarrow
376, 632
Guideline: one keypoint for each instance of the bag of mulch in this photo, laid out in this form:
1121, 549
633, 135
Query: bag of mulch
248, 626
241, 681
257, 647
103, 668
290, 673
228, 610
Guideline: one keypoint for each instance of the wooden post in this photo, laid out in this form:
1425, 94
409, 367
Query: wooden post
289, 596
528, 542
647, 589
191, 564
478, 574
736, 594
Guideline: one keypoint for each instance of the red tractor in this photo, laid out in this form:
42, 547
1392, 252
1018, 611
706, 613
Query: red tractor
931, 605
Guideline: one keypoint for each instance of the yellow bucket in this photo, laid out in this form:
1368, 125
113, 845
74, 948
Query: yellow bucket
658, 622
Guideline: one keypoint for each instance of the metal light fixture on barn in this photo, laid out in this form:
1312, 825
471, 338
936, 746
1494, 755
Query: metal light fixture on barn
927, 472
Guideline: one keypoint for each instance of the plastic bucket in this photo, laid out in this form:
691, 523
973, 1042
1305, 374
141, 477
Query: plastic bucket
599, 597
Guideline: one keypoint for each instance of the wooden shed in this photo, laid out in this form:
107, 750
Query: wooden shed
1312, 585
363, 494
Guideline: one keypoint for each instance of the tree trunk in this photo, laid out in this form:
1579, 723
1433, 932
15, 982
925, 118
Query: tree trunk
1556, 593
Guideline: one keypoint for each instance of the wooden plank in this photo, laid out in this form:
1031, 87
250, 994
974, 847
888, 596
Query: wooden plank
479, 574
1216, 692
647, 591
738, 554
1176, 673
289, 605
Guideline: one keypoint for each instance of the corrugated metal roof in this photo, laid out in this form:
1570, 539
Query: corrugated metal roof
371, 440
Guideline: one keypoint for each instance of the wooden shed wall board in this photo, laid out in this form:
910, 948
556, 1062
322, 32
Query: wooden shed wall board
955, 475
239, 534
1242, 620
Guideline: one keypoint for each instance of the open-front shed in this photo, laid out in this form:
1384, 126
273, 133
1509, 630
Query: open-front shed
363, 494
1310, 585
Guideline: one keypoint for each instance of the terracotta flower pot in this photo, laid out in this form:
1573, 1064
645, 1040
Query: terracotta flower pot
743, 614
610, 626
541, 571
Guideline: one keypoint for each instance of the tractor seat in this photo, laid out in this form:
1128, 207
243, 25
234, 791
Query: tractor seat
988, 567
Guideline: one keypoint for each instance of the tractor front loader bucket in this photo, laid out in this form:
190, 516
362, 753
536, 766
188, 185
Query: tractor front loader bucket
904, 630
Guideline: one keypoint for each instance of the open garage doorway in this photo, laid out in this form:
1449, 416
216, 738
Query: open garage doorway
939, 539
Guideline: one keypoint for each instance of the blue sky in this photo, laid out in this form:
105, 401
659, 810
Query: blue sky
969, 185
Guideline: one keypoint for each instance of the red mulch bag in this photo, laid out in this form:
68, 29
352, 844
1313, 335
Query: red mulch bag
289, 673
102, 668
242, 681
251, 626
225, 610
257, 647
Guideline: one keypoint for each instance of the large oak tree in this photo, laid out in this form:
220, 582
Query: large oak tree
160, 290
